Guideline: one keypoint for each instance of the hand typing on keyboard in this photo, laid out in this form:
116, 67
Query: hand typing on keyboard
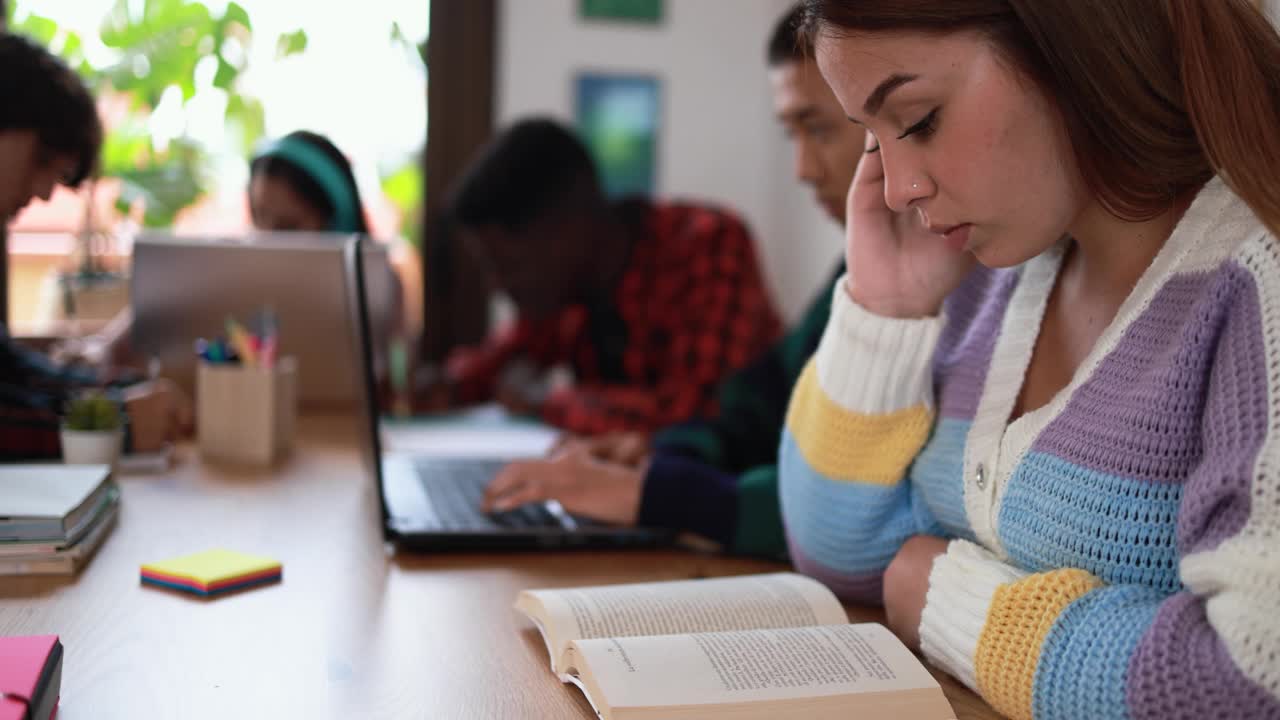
535, 514
582, 483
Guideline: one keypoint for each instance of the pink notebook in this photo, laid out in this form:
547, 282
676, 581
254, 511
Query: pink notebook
30, 677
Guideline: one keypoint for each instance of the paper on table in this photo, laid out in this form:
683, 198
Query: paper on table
485, 432
146, 463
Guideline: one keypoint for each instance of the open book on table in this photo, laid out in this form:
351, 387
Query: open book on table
749, 647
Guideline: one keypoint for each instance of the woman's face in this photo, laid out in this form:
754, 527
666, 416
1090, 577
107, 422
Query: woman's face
275, 205
965, 139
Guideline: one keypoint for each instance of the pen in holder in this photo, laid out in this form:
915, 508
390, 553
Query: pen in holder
246, 413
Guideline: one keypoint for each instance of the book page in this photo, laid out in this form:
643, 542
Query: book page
685, 606
751, 666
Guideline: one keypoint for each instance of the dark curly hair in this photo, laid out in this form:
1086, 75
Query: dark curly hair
533, 169
38, 92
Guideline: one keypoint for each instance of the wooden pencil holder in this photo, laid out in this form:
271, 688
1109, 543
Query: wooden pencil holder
246, 415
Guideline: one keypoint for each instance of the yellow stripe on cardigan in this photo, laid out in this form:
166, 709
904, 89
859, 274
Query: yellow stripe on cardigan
1018, 622
844, 445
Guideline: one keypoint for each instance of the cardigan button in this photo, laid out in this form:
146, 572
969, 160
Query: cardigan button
980, 477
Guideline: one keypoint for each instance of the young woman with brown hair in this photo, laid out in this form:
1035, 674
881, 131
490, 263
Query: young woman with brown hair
1043, 425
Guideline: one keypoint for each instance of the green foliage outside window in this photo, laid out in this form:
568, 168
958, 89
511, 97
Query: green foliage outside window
159, 45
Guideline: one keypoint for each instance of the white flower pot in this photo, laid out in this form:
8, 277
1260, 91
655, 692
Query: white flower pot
91, 447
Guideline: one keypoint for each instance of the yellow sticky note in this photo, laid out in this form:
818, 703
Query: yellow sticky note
212, 572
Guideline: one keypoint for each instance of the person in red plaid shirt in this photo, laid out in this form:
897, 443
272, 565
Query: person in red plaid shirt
641, 306
50, 135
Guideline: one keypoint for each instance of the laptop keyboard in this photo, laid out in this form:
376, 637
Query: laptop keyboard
456, 487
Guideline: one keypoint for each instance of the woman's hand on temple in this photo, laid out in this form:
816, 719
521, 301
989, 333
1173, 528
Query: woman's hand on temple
897, 267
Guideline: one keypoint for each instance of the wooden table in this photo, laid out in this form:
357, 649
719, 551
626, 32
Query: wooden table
353, 631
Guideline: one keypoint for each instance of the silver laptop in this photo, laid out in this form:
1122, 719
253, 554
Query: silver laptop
184, 288
431, 501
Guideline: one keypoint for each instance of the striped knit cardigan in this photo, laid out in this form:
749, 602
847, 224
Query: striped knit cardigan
1115, 553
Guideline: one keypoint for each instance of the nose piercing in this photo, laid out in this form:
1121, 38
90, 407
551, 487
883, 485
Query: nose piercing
915, 186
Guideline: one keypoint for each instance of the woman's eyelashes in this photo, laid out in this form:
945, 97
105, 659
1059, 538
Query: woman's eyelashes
924, 128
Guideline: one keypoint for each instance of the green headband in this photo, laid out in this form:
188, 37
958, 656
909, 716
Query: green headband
323, 170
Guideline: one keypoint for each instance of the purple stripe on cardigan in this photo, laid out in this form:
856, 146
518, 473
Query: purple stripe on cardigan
960, 362
1181, 669
1217, 499
1142, 413
860, 589
1182, 398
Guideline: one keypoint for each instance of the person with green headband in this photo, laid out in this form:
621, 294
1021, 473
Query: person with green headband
302, 182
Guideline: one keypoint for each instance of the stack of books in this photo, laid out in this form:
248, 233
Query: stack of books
53, 517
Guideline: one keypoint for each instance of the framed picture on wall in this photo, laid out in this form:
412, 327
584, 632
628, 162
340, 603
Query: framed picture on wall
619, 118
644, 11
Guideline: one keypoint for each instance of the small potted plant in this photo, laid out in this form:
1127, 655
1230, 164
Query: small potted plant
93, 430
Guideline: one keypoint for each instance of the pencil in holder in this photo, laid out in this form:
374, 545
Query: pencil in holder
245, 415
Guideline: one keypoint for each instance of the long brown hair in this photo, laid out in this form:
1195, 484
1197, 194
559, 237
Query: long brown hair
1157, 97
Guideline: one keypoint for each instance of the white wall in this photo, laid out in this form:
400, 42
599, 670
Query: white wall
718, 141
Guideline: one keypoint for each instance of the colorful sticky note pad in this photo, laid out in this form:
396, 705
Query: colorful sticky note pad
212, 572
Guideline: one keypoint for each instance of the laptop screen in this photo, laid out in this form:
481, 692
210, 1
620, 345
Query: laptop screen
361, 344
184, 288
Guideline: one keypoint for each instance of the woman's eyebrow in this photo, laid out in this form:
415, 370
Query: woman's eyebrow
877, 97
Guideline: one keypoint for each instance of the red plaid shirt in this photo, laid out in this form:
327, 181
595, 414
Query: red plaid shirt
690, 307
